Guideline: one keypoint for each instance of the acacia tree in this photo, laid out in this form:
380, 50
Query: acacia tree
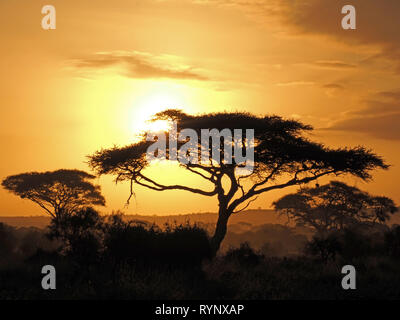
57, 192
334, 206
283, 157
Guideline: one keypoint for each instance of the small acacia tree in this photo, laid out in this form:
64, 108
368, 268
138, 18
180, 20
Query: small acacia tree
334, 206
283, 157
57, 192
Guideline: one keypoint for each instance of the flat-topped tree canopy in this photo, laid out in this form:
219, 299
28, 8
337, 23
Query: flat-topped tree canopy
283, 156
335, 206
57, 192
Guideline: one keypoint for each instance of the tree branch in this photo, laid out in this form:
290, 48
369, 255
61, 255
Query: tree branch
246, 206
161, 187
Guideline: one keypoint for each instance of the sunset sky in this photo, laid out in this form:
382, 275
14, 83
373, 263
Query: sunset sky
110, 65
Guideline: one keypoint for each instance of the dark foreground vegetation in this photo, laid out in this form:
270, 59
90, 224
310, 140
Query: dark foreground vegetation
109, 258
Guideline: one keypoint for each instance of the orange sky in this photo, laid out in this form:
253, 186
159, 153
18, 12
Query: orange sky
109, 65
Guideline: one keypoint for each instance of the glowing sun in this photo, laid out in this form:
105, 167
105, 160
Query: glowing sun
148, 106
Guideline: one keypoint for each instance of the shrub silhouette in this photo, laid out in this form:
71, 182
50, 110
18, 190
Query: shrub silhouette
7, 242
142, 244
129, 242
185, 245
355, 244
324, 248
244, 255
349, 244
81, 233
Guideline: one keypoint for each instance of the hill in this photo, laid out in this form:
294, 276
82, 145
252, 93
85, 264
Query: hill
249, 217
245, 219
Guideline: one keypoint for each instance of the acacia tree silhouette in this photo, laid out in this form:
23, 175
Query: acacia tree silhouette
334, 206
284, 157
57, 192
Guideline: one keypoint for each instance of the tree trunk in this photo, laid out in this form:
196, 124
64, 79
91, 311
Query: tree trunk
220, 230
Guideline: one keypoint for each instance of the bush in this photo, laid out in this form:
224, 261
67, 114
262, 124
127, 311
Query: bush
184, 245
140, 243
324, 248
80, 233
356, 244
129, 242
8, 242
244, 255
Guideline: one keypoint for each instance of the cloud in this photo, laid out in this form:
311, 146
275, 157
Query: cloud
332, 89
378, 22
390, 95
380, 126
333, 86
373, 108
378, 118
330, 64
138, 65
295, 83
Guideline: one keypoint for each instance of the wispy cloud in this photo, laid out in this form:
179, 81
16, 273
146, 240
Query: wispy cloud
379, 117
333, 89
390, 95
295, 83
138, 65
330, 64
333, 86
377, 22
